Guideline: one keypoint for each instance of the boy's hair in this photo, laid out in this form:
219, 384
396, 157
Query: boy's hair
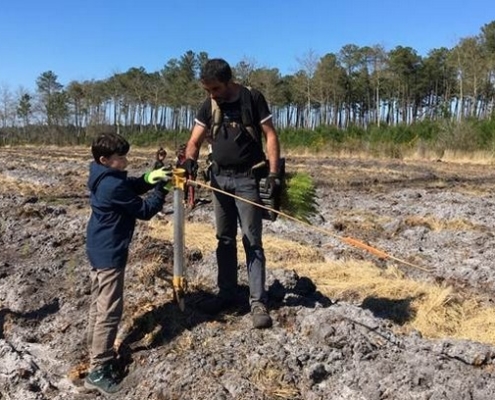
216, 69
107, 144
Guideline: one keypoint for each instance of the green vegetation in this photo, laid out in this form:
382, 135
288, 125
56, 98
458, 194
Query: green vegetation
383, 141
171, 139
395, 141
299, 196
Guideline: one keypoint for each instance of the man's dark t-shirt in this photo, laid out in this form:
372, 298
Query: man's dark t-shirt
233, 146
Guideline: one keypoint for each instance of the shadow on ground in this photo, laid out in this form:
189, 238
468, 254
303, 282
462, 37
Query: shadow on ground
167, 321
30, 316
396, 310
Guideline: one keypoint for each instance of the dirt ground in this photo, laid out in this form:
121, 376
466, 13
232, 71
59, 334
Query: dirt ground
434, 214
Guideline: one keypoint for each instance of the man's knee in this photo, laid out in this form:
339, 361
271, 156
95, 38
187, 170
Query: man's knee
226, 241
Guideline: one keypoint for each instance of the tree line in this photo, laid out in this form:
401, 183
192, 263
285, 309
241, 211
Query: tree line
356, 87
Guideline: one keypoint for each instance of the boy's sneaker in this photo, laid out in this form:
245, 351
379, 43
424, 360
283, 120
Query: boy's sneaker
261, 318
102, 379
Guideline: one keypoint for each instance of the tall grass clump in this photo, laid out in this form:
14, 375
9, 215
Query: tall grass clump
299, 197
486, 133
307, 140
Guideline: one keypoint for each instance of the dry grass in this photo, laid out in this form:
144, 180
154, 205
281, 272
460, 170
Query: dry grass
12, 185
199, 236
364, 221
270, 378
361, 219
458, 157
454, 156
147, 272
279, 252
78, 371
436, 311
139, 317
436, 224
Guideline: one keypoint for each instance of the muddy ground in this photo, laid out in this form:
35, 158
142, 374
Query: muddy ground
319, 347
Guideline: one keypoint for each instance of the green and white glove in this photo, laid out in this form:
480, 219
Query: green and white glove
158, 175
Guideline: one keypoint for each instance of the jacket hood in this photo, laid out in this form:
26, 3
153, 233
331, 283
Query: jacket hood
98, 171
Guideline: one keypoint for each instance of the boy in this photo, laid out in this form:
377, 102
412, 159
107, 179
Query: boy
115, 206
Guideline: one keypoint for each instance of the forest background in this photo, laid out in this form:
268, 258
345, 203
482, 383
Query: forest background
366, 98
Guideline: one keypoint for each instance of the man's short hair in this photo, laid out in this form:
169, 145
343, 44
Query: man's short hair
216, 69
107, 144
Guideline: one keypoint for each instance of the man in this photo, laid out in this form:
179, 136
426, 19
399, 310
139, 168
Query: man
237, 119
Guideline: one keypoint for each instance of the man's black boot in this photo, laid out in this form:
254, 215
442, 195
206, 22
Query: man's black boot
261, 318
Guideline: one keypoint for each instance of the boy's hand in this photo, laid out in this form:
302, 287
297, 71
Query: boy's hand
161, 174
164, 188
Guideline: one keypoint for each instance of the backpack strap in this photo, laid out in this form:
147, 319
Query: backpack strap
247, 114
216, 117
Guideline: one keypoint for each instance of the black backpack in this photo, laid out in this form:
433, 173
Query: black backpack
254, 130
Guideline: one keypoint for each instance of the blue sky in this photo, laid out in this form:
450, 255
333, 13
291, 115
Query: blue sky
92, 39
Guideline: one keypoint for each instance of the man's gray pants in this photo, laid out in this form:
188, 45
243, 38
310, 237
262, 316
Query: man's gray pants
228, 211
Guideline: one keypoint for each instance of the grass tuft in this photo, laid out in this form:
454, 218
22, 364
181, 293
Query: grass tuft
299, 198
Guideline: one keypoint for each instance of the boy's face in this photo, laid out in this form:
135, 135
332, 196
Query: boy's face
115, 161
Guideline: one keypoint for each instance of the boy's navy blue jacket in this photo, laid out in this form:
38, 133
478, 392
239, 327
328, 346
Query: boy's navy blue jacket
115, 206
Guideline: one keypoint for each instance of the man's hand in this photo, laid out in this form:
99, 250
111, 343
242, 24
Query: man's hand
191, 167
273, 184
163, 175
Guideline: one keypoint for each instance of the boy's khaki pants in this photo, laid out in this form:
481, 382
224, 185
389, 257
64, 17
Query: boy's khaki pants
105, 313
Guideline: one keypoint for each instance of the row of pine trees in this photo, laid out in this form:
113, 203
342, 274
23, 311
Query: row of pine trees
356, 87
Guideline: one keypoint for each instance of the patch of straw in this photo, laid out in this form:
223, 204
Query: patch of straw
438, 311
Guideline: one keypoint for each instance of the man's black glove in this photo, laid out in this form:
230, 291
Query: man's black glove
191, 167
273, 184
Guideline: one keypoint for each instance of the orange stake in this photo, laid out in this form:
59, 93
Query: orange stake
372, 250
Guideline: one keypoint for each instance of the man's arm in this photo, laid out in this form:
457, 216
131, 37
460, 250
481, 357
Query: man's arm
272, 145
198, 134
